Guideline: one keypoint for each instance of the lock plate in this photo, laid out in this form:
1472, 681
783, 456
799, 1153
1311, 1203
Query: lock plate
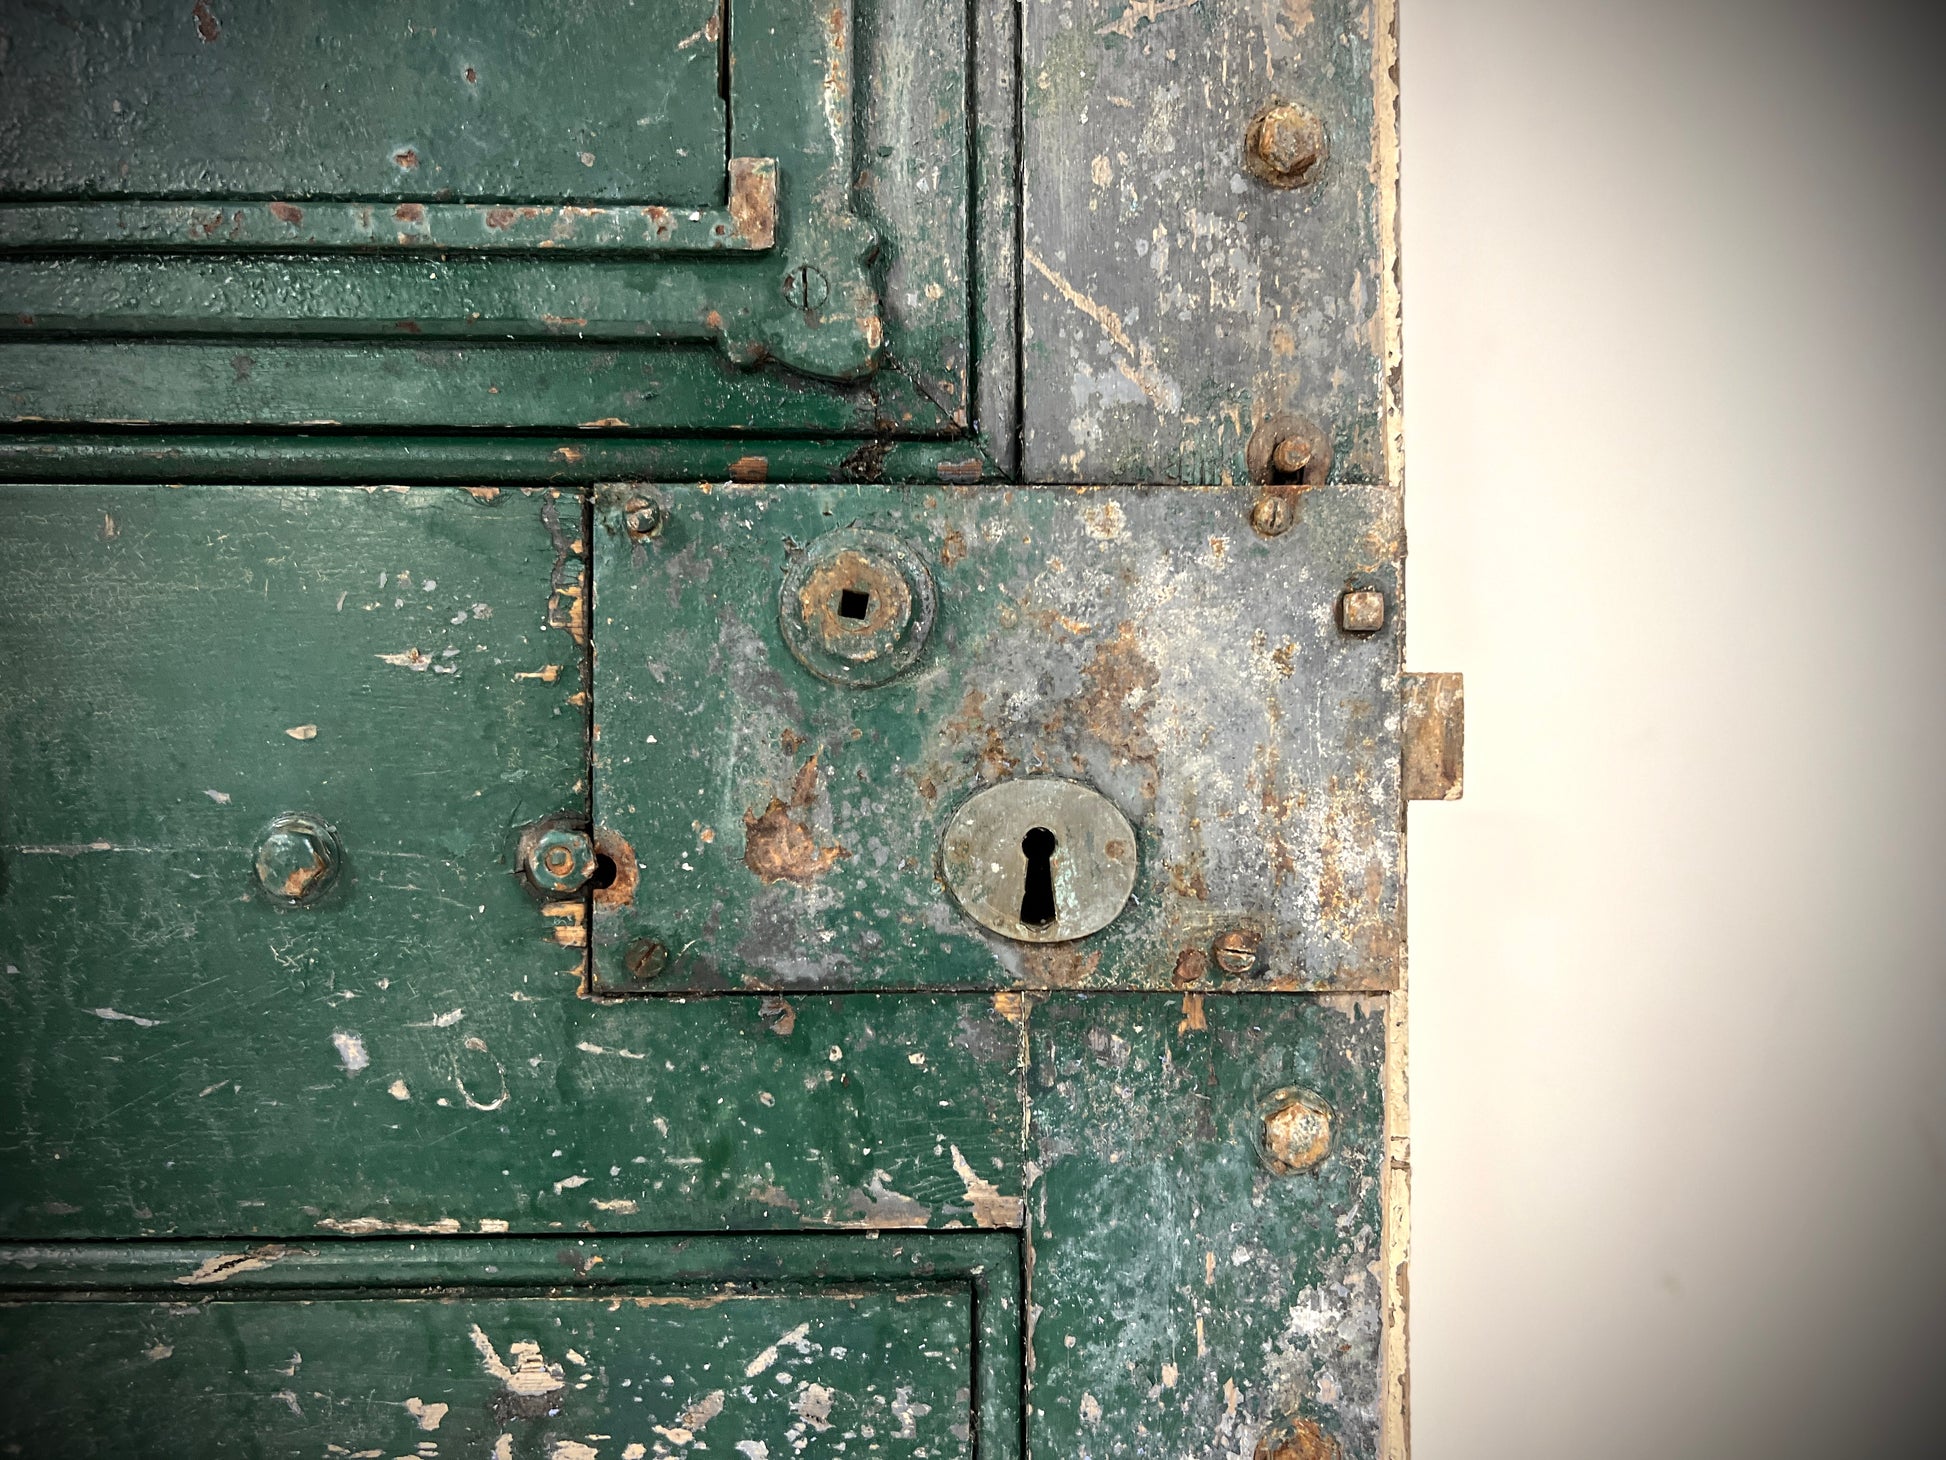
1144, 643
1041, 860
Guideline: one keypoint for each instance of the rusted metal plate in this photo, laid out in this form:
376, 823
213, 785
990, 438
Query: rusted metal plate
1173, 298
1204, 1283
1433, 734
788, 829
515, 1348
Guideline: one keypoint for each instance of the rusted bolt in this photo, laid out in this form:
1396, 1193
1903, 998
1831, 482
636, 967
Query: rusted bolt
1284, 144
646, 960
1297, 1131
1290, 456
1296, 1440
297, 859
1237, 951
560, 860
806, 287
1361, 611
1287, 449
1273, 514
642, 518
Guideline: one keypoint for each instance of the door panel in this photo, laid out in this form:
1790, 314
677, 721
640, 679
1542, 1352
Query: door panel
513, 1348
453, 255
789, 813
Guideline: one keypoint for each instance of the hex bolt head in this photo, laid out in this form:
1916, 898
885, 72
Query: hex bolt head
560, 860
1273, 515
1237, 951
642, 518
1284, 144
298, 859
1297, 1131
1361, 611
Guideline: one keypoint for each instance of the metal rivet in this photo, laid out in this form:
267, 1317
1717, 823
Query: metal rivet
1361, 611
298, 859
1297, 1131
1284, 144
1237, 951
560, 860
1273, 515
642, 518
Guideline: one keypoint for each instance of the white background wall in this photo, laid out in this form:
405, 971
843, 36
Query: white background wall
1675, 290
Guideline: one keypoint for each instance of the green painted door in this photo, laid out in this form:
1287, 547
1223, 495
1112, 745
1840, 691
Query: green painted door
593, 863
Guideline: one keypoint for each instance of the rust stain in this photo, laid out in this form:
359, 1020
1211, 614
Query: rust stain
779, 845
406, 158
1059, 965
287, 213
952, 548
500, 218
1114, 709
970, 723
410, 213
823, 594
1300, 1440
782, 1016
750, 469
206, 24
753, 200
1192, 966
612, 851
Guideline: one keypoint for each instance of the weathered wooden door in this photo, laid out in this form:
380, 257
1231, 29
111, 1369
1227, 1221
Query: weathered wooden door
704, 733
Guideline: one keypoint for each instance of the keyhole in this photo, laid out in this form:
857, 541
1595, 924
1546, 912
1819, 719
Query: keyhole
853, 604
1037, 896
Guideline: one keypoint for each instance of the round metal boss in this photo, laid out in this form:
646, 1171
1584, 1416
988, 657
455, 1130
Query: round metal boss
856, 608
1040, 859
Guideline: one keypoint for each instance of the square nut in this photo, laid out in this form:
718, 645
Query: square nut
1362, 611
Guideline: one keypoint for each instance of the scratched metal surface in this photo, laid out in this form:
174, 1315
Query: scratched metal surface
1145, 642
1188, 1300
1170, 300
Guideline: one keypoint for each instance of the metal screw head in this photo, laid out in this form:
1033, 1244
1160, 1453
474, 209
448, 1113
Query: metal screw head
1284, 144
806, 287
642, 518
1297, 1131
559, 860
1361, 611
298, 859
646, 960
1237, 951
1273, 515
